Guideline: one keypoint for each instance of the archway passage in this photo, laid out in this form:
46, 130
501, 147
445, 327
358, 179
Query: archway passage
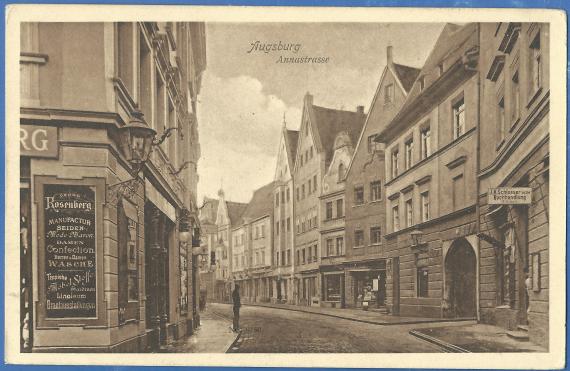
461, 280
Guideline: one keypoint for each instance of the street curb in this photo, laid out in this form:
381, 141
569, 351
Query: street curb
234, 341
435, 320
448, 347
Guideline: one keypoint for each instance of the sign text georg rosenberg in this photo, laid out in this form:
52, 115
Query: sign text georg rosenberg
510, 196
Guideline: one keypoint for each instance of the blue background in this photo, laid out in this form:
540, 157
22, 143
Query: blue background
552, 4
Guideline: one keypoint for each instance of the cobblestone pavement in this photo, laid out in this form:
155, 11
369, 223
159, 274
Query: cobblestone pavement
269, 330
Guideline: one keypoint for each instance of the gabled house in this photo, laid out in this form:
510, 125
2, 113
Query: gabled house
283, 230
365, 198
315, 150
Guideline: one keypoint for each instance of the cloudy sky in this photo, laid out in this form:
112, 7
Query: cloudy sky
245, 95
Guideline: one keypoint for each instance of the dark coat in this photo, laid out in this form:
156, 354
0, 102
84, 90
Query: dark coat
236, 299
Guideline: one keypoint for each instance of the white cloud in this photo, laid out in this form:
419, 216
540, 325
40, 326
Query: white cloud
240, 127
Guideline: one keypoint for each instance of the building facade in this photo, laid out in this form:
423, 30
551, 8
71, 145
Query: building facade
432, 249
515, 153
315, 148
283, 286
365, 263
105, 266
253, 247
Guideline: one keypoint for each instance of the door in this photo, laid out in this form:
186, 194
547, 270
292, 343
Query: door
460, 277
396, 286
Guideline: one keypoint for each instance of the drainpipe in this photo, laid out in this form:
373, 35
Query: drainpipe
477, 167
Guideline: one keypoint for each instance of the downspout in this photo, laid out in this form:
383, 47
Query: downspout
477, 168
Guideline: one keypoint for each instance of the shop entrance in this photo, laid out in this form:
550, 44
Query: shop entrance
460, 280
370, 287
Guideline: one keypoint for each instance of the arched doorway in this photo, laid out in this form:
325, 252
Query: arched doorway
460, 280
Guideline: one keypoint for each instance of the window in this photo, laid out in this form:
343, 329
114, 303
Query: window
440, 69
409, 148
297, 193
306, 129
311, 151
422, 283
339, 208
330, 247
303, 191
145, 92
341, 171
277, 228
301, 159
375, 235
425, 143
263, 257
171, 123
160, 104
409, 213
315, 219
424, 199
458, 192
501, 119
515, 98
329, 210
332, 285
395, 218
371, 144
288, 195
314, 183
283, 262
459, 118
298, 226
288, 257
282, 225
298, 261
358, 238
394, 161
340, 246
375, 189
125, 54
276, 199
304, 256
388, 93
288, 224
282, 197
263, 231
535, 65
359, 195
309, 187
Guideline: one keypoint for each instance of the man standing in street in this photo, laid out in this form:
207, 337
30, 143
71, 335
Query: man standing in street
237, 304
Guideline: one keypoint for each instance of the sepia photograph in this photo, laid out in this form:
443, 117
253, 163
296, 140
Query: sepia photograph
225, 185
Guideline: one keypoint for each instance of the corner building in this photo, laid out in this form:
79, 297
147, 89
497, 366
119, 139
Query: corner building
103, 267
515, 78
431, 161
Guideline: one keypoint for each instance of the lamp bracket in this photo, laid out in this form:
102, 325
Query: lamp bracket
165, 134
126, 188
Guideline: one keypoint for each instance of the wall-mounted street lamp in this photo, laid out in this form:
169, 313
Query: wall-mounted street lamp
135, 143
416, 237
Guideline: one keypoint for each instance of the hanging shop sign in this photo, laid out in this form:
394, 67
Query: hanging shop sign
70, 251
38, 141
510, 196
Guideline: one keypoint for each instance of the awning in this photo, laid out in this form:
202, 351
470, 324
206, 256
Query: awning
154, 196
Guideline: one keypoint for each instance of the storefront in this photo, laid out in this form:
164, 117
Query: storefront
333, 289
366, 283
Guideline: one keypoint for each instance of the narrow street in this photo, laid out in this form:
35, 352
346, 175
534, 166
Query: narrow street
268, 330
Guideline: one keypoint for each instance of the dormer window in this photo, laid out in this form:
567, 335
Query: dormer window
388, 93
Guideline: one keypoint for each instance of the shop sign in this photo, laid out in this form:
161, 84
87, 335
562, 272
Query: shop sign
38, 141
70, 251
510, 196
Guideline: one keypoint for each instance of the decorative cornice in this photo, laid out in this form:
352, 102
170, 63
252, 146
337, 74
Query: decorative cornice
496, 67
423, 180
407, 189
455, 163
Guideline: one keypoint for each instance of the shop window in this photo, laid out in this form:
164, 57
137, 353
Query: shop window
375, 191
127, 261
422, 283
332, 292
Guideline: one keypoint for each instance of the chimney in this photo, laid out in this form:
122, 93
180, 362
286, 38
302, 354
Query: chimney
360, 109
389, 55
308, 99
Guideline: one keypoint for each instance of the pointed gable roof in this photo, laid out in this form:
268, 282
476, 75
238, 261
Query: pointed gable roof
329, 122
406, 74
291, 139
261, 203
235, 211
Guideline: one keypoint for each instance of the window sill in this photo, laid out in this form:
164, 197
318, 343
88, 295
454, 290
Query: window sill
376, 244
358, 205
358, 247
375, 201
